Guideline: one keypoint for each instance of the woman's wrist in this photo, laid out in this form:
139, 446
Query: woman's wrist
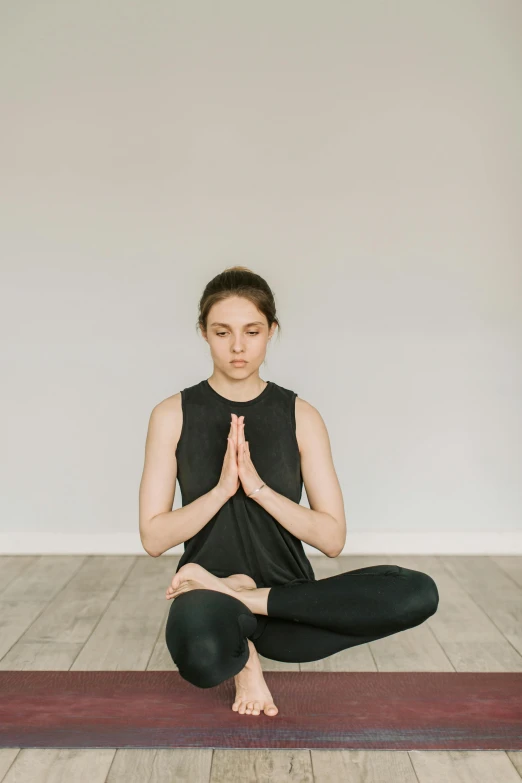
256, 490
219, 493
263, 495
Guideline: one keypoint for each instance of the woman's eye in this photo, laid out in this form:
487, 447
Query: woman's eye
220, 334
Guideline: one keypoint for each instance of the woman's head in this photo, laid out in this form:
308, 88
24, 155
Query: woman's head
237, 317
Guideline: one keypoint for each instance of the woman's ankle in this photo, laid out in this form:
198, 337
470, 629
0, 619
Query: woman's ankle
253, 663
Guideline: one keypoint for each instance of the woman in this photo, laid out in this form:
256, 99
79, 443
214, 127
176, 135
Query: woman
241, 449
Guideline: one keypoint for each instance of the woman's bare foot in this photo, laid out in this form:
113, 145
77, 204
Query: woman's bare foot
192, 576
252, 694
240, 582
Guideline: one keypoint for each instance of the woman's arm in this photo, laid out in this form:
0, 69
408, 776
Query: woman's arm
323, 525
161, 528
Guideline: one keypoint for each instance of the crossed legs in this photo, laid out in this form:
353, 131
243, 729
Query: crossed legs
207, 630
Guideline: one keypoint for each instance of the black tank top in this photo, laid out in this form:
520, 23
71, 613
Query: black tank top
242, 538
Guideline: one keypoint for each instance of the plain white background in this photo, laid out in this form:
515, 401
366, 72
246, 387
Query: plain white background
364, 157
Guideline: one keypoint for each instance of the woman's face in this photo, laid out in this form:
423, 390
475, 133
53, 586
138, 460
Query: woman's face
236, 329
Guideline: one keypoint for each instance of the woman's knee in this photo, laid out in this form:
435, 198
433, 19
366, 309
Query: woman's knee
196, 654
421, 600
208, 661
198, 662
205, 637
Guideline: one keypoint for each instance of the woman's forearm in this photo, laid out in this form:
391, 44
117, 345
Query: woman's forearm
171, 528
316, 528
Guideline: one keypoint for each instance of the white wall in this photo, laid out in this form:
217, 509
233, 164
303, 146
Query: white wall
364, 157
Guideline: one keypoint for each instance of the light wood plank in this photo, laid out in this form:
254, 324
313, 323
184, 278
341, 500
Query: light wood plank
124, 638
511, 565
283, 766
15, 617
54, 765
515, 756
11, 566
56, 637
7, 757
362, 766
183, 765
40, 656
135, 765
26, 596
43, 579
463, 766
494, 591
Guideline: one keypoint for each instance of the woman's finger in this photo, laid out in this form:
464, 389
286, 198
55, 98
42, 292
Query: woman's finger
231, 434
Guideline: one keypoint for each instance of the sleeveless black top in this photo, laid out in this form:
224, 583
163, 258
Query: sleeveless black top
242, 538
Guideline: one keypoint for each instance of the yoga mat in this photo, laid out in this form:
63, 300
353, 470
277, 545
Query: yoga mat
159, 709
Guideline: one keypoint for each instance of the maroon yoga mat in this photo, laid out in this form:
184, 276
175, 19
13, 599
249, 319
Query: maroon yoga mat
159, 709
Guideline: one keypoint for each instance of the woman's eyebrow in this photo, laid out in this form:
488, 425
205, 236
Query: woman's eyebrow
252, 323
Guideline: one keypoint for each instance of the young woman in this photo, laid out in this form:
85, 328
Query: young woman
241, 449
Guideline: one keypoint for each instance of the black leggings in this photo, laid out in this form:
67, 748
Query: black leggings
206, 631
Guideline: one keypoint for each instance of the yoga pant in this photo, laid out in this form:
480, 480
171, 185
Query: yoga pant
207, 631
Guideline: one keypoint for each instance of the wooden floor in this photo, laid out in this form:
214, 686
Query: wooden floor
109, 613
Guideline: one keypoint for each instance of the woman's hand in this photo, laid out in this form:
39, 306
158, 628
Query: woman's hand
229, 479
248, 475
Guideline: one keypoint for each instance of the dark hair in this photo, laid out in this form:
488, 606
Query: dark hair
238, 281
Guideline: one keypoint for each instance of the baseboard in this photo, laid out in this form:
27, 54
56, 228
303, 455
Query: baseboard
507, 542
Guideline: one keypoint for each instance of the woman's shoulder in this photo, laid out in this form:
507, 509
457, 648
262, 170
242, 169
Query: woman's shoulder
169, 405
308, 423
168, 415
